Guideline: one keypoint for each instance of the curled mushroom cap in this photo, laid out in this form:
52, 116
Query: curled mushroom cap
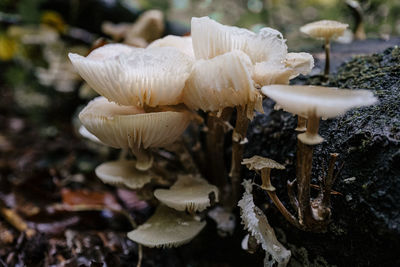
321, 101
188, 193
259, 163
224, 81
325, 29
182, 43
85, 133
122, 172
128, 126
167, 228
211, 39
300, 62
135, 76
266, 73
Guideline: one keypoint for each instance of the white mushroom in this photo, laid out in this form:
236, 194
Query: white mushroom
182, 43
130, 127
122, 172
314, 102
167, 228
211, 39
302, 62
188, 193
325, 29
135, 76
224, 81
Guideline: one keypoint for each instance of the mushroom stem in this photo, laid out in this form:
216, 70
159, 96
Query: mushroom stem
327, 55
144, 159
311, 136
215, 147
313, 125
282, 209
303, 173
328, 181
266, 180
140, 255
238, 138
123, 153
301, 124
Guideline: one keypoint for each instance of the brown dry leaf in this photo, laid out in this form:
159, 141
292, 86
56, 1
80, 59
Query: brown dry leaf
89, 198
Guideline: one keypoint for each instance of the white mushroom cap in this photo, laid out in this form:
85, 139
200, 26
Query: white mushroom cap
167, 228
266, 73
182, 43
324, 29
322, 101
224, 81
135, 76
211, 39
128, 126
122, 172
188, 193
302, 62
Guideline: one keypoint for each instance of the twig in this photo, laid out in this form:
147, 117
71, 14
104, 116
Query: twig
16, 221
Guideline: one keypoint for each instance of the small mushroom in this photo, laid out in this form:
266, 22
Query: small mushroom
314, 102
135, 76
258, 163
167, 228
130, 127
182, 43
189, 192
325, 29
122, 172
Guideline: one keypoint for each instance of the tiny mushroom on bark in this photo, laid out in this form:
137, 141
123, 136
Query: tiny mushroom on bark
264, 165
314, 102
130, 127
189, 193
325, 29
167, 228
123, 172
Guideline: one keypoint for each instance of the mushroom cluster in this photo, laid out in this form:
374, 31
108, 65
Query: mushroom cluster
148, 98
